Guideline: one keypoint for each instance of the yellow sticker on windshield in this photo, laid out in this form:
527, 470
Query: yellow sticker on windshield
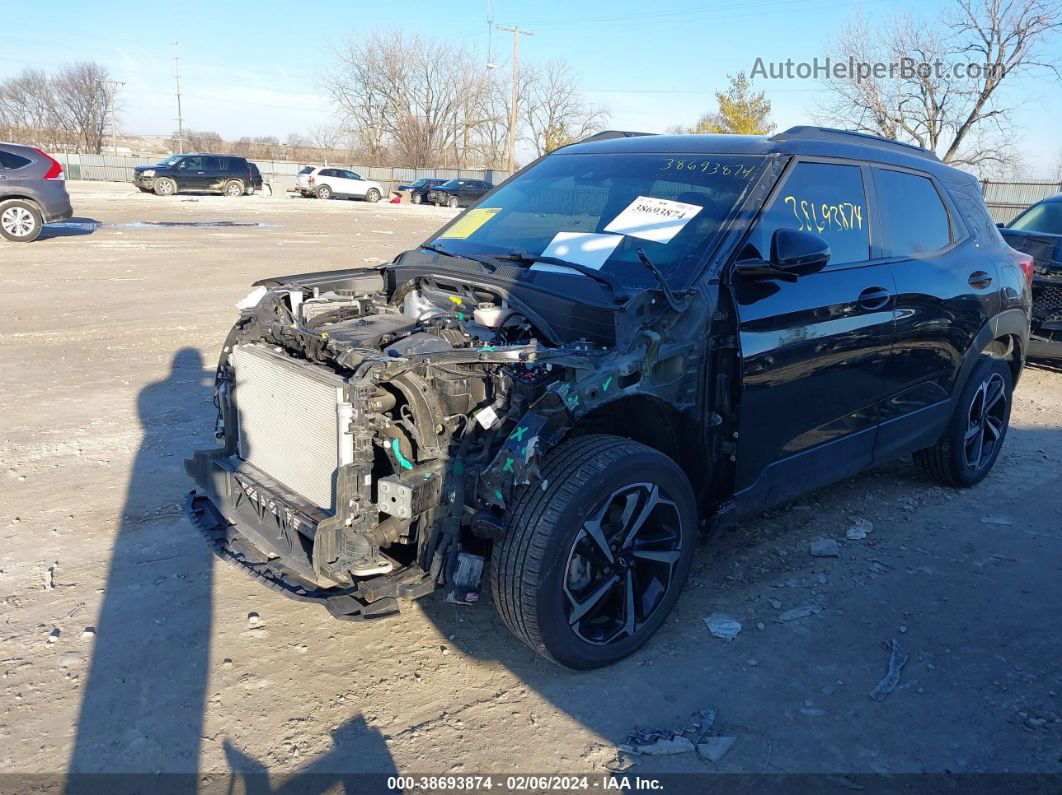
470, 222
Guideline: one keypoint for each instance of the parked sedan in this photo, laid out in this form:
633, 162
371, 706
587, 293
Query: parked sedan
458, 192
324, 183
32, 192
418, 189
1038, 233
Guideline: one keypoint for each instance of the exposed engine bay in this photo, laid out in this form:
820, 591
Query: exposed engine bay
380, 430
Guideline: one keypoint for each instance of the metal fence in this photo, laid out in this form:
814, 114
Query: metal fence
279, 173
1006, 199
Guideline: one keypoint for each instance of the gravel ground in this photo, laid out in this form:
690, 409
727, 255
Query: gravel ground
124, 648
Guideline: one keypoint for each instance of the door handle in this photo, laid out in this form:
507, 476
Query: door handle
874, 298
979, 280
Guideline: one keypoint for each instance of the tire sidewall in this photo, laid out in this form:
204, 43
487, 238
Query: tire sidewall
561, 642
984, 369
38, 221
164, 181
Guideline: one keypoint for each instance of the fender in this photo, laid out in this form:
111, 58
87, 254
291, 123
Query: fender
1010, 322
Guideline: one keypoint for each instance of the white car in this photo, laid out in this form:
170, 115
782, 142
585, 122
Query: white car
326, 182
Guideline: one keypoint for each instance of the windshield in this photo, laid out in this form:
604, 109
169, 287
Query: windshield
169, 161
1044, 217
599, 209
449, 184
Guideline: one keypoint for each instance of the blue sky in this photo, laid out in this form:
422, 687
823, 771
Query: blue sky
252, 68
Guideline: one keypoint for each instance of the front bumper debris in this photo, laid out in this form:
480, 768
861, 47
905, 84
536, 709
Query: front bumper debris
230, 546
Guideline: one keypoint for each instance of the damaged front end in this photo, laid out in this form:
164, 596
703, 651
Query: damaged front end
373, 434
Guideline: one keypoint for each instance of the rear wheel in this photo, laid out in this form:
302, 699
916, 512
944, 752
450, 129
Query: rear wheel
966, 452
372, 196
233, 188
20, 221
592, 565
164, 186
324, 192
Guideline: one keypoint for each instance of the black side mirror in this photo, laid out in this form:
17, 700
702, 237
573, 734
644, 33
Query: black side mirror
1001, 225
793, 254
799, 252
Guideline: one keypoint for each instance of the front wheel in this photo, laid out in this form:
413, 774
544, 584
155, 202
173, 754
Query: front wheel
416, 198
372, 196
970, 445
164, 186
592, 564
452, 202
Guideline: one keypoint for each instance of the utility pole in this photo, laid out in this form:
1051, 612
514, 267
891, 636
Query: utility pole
112, 87
515, 30
180, 120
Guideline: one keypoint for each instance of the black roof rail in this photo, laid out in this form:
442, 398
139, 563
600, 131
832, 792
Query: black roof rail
606, 135
831, 133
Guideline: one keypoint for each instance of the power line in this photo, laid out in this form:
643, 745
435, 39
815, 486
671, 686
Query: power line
177, 77
112, 87
515, 30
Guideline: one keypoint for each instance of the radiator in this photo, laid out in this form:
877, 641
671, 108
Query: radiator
288, 421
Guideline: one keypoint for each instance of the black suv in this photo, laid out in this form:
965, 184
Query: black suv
458, 192
199, 173
418, 189
634, 337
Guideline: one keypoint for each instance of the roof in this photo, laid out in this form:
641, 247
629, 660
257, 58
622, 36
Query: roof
802, 140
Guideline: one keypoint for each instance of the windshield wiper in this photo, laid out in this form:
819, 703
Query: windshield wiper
672, 301
593, 273
440, 250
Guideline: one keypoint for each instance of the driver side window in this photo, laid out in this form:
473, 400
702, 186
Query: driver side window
823, 198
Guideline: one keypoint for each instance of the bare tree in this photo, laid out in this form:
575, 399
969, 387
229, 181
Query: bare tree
952, 96
555, 110
83, 101
202, 141
326, 138
66, 111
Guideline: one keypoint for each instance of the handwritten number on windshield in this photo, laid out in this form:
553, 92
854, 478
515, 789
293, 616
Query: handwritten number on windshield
709, 167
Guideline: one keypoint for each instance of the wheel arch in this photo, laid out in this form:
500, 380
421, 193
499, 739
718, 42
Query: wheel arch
653, 422
23, 198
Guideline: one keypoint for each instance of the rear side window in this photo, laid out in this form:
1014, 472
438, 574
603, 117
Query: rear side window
825, 199
913, 218
306, 170
10, 161
213, 163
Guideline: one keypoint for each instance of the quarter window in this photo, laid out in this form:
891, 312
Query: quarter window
11, 161
913, 218
825, 199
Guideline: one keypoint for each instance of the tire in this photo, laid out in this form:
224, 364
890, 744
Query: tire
323, 192
20, 221
452, 202
143, 190
164, 186
416, 198
250, 190
233, 188
970, 445
547, 564
372, 196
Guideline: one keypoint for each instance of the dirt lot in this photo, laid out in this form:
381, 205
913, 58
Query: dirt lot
125, 648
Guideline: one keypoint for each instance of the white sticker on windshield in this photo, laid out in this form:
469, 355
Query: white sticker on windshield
653, 219
584, 248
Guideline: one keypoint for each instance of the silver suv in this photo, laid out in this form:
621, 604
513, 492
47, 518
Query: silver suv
32, 192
